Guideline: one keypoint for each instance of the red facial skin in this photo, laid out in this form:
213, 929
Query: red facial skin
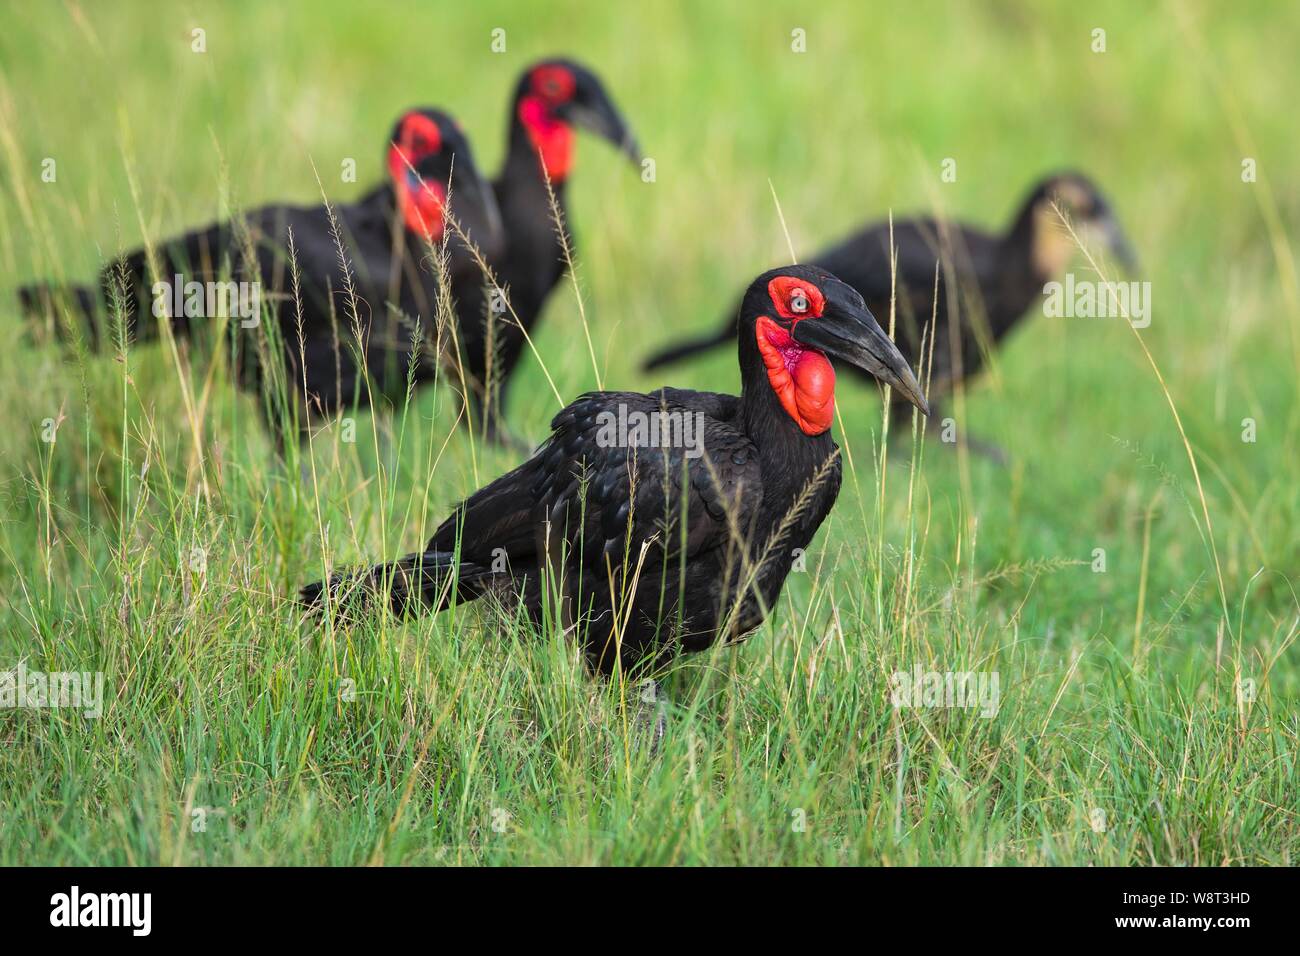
552, 138
782, 289
802, 378
422, 201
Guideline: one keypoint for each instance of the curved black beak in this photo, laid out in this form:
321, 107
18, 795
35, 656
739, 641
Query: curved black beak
594, 111
1117, 242
847, 330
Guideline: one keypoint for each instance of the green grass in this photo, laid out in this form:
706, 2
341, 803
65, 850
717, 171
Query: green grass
404, 744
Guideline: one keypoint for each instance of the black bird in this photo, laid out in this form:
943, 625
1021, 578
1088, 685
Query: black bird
987, 282
390, 236
688, 506
551, 99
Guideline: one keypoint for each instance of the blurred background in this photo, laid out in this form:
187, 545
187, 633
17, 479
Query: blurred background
851, 130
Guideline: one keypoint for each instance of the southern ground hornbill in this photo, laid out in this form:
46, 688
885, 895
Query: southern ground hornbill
551, 100
390, 286
998, 277
661, 522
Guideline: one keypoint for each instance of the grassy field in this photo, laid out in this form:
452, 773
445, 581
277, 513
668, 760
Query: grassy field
1148, 713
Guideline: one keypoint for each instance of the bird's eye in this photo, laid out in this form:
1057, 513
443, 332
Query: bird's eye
798, 301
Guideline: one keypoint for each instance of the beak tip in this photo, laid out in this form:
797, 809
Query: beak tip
918, 399
911, 390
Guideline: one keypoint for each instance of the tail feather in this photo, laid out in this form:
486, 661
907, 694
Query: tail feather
85, 310
428, 579
689, 347
80, 303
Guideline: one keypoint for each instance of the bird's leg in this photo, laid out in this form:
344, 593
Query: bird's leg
302, 453
990, 451
385, 447
950, 434
651, 713
282, 434
487, 416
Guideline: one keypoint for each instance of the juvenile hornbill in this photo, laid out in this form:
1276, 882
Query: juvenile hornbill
551, 100
987, 282
390, 237
654, 535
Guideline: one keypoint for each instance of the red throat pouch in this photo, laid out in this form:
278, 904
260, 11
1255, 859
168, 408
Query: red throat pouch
420, 200
550, 136
802, 378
